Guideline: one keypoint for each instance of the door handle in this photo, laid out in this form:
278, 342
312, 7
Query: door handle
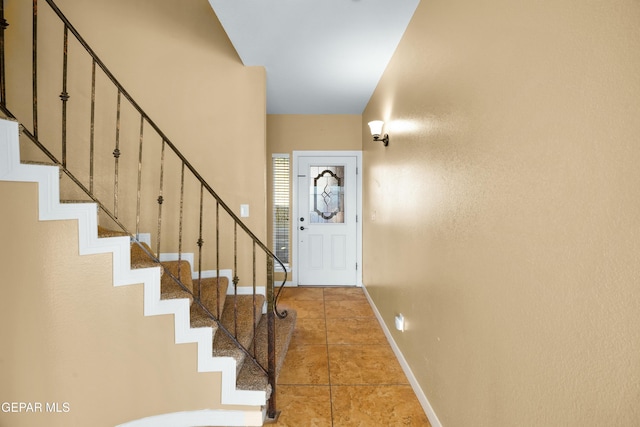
301, 228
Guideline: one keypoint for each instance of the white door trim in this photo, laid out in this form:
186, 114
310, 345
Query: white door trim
294, 202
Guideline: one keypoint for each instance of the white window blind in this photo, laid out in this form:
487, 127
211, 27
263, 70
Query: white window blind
281, 208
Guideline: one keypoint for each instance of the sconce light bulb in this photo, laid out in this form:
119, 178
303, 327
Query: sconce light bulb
376, 128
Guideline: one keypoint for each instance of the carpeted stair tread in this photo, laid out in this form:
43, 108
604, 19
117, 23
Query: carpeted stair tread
37, 162
212, 288
199, 317
105, 232
68, 201
140, 258
223, 346
250, 376
169, 288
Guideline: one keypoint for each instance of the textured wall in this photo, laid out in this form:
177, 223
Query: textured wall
502, 220
289, 132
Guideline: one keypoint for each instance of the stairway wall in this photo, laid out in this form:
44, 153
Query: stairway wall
68, 336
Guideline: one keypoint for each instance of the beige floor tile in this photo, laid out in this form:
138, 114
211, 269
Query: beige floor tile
367, 406
341, 294
305, 364
303, 406
309, 332
364, 364
302, 293
348, 308
356, 330
340, 370
306, 309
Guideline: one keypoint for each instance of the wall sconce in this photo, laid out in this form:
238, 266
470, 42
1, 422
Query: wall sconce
376, 131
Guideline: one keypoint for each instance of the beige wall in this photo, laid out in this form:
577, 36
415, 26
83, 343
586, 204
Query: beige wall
177, 62
296, 132
289, 132
69, 336
502, 220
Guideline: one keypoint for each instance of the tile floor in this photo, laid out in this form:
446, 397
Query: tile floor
340, 370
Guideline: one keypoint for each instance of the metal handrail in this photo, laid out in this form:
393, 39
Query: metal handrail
272, 296
123, 91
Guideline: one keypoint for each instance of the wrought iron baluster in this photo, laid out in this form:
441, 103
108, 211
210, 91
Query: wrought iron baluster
200, 243
116, 155
3, 84
271, 340
64, 95
235, 278
160, 199
34, 65
93, 123
255, 323
139, 176
180, 220
218, 258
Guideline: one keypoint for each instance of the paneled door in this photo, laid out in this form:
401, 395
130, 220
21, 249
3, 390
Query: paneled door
327, 220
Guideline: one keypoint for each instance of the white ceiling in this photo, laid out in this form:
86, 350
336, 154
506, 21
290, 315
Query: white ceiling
321, 56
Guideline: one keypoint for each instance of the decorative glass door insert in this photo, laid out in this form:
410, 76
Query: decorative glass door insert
326, 194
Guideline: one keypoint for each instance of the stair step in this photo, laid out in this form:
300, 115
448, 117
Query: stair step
200, 318
76, 201
169, 288
223, 346
250, 376
34, 162
140, 258
212, 288
43, 163
105, 232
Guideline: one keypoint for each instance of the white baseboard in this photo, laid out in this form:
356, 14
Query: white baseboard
185, 256
201, 418
145, 238
287, 284
422, 398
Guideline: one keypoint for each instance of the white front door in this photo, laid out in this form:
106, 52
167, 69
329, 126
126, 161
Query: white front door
327, 220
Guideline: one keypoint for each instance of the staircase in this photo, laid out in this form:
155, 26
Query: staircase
243, 315
235, 321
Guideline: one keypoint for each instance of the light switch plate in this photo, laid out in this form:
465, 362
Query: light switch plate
244, 211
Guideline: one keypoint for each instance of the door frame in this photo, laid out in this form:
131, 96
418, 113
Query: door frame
294, 202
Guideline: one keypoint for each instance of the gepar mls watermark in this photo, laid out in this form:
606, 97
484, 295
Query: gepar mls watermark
35, 407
